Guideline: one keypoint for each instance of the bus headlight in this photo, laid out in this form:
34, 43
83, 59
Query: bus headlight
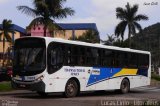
40, 78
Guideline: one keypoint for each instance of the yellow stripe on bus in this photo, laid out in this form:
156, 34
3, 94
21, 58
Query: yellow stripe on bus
126, 71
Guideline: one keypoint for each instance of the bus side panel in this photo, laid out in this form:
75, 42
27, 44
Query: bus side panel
138, 81
102, 85
135, 81
58, 85
141, 80
59, 79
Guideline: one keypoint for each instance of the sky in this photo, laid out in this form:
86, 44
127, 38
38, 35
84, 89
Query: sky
101, 12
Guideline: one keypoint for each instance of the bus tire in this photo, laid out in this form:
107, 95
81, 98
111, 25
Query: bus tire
71, 89
125, 86
43, 94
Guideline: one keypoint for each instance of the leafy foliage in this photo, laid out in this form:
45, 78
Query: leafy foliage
156, 77
6, 30
128, 17
45, 12
113, 40
110, 40
89, 36
149, 40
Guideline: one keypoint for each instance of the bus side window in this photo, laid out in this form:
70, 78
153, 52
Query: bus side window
95, 57
55, 58
71, 55
81, 56
143, 61
88, 56
121, 59
107, 58
74, 55
68, 55
133, 60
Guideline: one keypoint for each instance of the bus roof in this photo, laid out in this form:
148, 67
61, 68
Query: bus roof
50, 39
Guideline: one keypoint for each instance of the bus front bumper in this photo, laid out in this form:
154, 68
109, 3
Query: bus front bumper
34, 86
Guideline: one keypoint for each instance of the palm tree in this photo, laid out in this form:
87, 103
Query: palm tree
5, 34
45, 13
110, 40
128, 17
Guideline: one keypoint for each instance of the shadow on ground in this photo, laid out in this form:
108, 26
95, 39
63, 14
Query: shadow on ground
34, 95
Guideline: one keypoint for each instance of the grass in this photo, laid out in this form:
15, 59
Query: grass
155, 77
5, 86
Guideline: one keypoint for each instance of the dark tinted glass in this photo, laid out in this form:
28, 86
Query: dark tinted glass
29, 56
55, 57
107, 58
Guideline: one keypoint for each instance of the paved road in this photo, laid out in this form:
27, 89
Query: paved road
138, 96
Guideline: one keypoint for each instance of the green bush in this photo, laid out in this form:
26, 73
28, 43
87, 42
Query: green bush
156, 77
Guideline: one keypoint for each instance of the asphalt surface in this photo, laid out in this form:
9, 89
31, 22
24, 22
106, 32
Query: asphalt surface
138, 96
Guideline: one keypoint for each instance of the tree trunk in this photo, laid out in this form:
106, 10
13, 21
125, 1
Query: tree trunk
129, 36
45, 30
3, 52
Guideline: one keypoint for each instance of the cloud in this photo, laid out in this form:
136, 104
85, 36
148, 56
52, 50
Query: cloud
3, 1
102, 12
105, 15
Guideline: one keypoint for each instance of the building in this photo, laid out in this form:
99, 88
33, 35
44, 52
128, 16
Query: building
67, 31
19, 32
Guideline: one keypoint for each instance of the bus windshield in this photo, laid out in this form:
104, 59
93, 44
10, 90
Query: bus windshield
29, 56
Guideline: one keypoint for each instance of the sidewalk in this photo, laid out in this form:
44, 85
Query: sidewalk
155, 83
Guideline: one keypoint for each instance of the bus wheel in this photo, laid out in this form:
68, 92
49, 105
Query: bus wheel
71, 89
125, 86
43, 94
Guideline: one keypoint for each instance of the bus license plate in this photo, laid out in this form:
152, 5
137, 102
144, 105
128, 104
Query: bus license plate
29, 78
23, 86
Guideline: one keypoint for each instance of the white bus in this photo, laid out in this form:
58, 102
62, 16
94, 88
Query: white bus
47, 65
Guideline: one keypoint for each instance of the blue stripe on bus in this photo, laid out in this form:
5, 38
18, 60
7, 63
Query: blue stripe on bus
104, 74
107, 73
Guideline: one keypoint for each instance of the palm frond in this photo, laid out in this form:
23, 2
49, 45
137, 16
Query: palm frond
117, 31
133, 29
11, 31
134, 10
6, 24
128, 7
53, 26
120, 29
62, 13
41, 7
7, 37
121, 13
111, 39
140, 17
27, 10
138, 26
